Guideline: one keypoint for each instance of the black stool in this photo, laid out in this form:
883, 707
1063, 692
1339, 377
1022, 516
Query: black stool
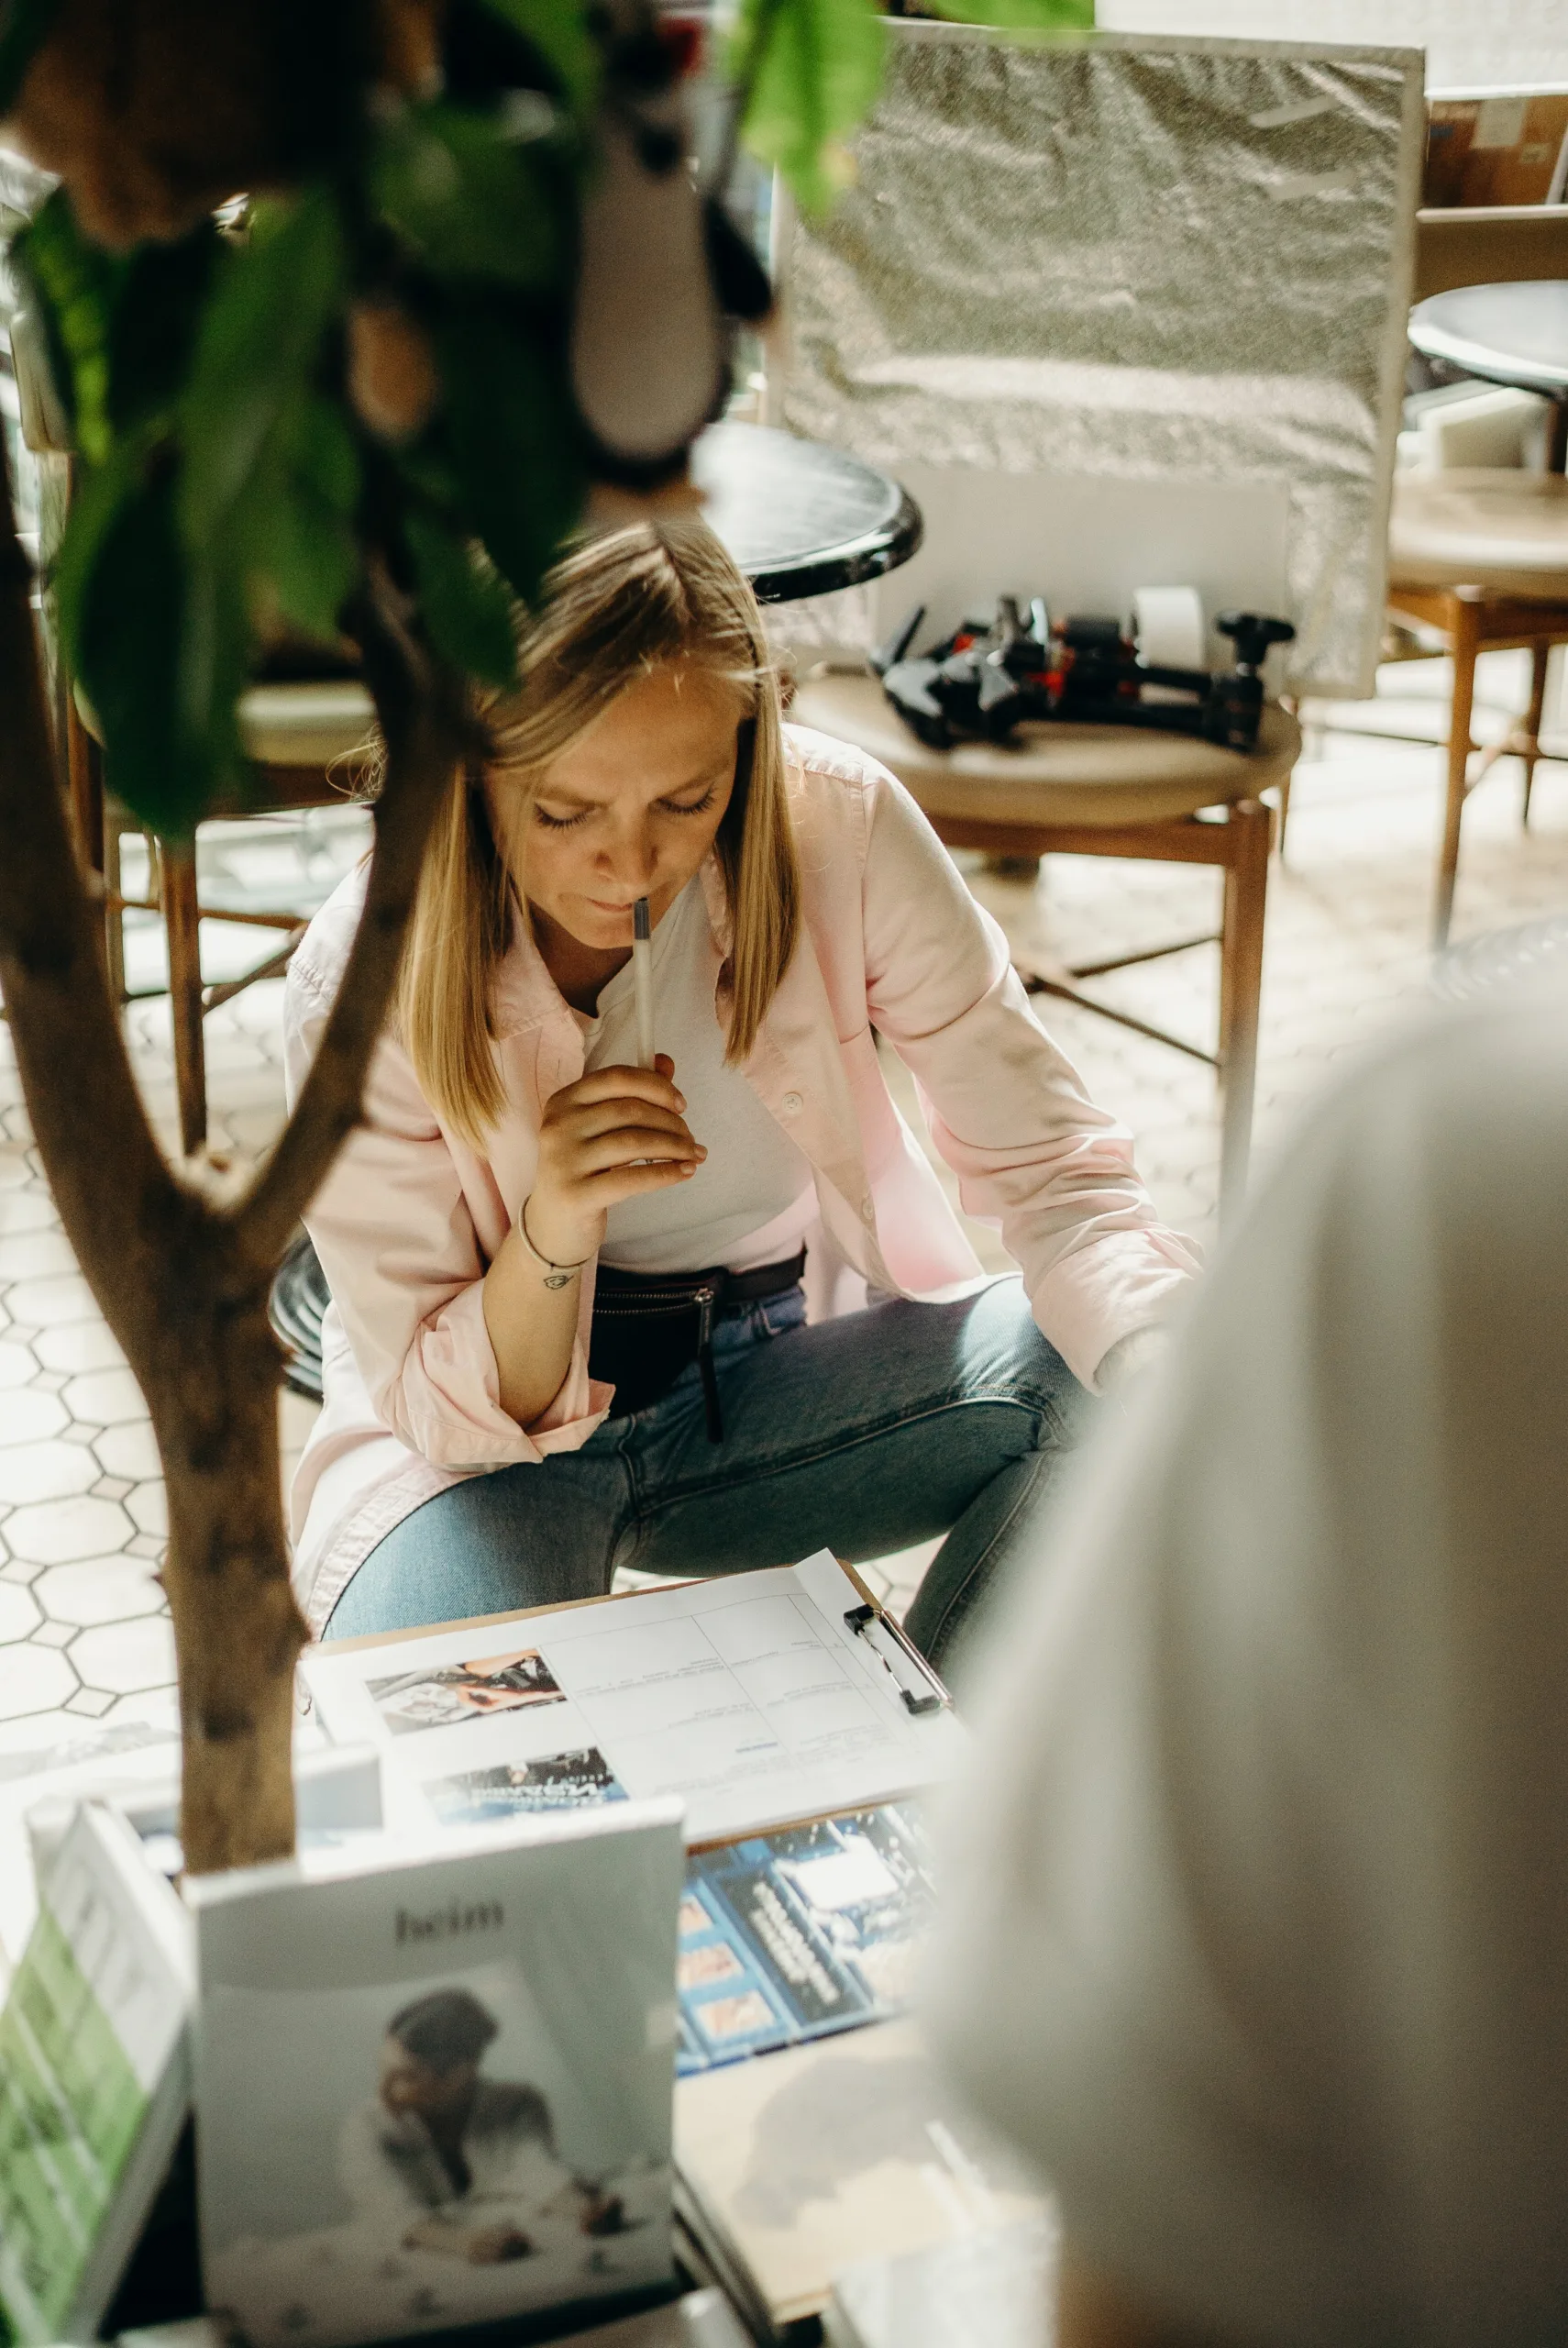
300, 1297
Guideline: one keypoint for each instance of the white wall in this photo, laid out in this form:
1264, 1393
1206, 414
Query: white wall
1470, 44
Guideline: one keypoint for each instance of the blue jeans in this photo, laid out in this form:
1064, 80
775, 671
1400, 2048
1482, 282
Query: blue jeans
861, 1435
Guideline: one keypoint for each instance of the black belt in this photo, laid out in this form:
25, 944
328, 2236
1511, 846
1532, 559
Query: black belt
648, 1326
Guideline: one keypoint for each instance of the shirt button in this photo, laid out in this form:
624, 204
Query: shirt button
793, 1105
867, 1212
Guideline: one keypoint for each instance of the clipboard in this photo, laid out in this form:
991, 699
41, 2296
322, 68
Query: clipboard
344, 1674
888, 1640
911, 1672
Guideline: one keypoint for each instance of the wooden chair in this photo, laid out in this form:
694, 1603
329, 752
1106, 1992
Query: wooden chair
303, 736
1481, 557
1106, 791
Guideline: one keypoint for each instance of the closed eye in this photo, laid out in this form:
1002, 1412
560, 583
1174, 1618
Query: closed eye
669, 806
691, 806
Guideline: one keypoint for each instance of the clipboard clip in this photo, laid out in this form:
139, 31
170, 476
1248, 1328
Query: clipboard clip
911, 1674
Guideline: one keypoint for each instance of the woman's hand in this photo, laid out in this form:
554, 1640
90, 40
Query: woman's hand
606, 1137
609, 1136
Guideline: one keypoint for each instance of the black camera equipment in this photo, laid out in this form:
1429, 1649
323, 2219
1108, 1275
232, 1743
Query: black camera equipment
991, 676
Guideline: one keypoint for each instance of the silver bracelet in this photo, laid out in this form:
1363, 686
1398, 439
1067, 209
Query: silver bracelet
556, 1275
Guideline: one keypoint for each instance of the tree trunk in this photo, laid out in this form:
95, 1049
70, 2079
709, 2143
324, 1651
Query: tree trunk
210, 1367
180, 1265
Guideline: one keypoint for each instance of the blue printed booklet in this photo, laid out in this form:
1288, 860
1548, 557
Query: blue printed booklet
793, 1935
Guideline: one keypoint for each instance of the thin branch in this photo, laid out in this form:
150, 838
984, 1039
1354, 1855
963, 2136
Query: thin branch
118, 1198
428, 732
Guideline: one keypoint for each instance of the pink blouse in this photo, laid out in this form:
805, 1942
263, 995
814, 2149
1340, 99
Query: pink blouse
411, 1216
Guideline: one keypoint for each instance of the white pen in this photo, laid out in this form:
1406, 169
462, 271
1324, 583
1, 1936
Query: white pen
642, 981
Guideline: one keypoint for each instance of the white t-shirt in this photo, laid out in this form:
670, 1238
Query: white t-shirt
753, 1198
1256, 1897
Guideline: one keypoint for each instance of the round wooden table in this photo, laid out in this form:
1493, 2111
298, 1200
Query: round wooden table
1516, 334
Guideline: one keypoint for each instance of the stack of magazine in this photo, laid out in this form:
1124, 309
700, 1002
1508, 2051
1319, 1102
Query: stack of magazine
800, 1732
433, 2064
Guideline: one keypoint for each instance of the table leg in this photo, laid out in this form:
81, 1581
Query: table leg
1539, 655
1241, 992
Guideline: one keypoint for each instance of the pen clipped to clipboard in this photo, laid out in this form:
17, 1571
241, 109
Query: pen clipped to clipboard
911, 1674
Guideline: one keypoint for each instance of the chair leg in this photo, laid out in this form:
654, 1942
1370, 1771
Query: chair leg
114, 915
1291, 703
1283, 815
1539, 655
1241, 992
182, 923
85, 769
1464, 638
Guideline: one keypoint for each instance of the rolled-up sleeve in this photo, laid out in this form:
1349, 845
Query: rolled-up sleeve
1007, 1110
397, 1243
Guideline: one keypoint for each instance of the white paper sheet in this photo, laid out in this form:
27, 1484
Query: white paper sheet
748, 1695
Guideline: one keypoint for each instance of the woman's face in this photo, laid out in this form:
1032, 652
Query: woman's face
631, 809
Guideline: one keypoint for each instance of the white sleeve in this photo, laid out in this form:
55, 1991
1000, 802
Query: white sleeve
1256, 1894
374, 2184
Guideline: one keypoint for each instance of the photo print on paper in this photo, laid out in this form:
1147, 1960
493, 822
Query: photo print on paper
411, 1701
555, 1781
433, 2179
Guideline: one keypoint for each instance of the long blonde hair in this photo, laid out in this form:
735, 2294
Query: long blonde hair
618, 607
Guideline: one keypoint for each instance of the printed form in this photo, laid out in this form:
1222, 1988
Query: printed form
749, 1694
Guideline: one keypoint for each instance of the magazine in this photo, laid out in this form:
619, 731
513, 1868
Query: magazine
805, 1930
759, 1698
845, 2148
94, 2079
434, 2088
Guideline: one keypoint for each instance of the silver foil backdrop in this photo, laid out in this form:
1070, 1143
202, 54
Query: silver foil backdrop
1124, 313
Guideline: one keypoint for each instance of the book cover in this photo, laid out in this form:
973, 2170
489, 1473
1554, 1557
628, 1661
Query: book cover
435, 2091
94, 2079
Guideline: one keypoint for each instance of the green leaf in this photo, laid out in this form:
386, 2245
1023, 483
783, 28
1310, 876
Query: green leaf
467, 609
101, 491
156, 318
813, 68
511, 435
557, 31
309, 555
259, 342
1021, 16
468, 200
314, 441
212, 667
290, 537
76, 286
164, 753
26, 28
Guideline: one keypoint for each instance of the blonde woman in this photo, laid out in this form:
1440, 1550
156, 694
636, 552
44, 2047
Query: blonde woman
570, 1325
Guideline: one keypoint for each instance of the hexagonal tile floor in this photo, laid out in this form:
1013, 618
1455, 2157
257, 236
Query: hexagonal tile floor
83, 1638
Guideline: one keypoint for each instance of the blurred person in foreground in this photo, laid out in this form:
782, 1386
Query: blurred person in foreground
1256, 1922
